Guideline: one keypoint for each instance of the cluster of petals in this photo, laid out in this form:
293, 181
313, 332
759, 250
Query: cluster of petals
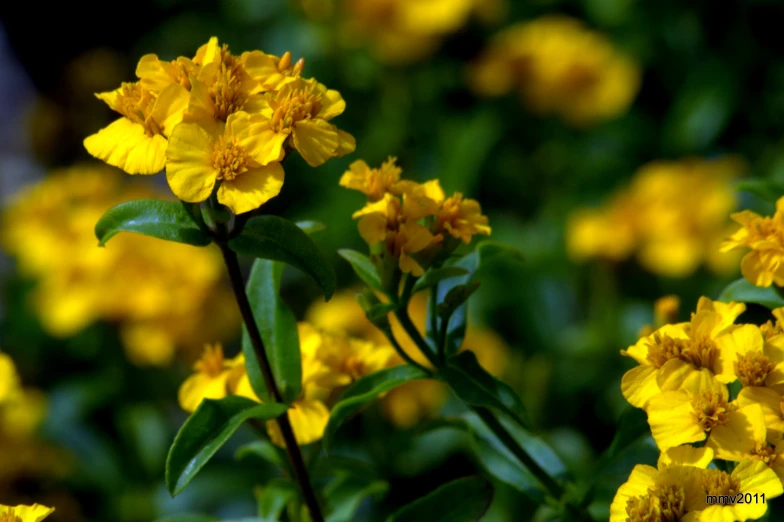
763, 265
410, 219
220, 119
330, 363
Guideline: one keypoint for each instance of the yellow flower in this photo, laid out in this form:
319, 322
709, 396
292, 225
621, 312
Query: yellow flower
374, 183
771, 403
301, 110
158, 293
243, 157
9, 380
210, 379
270, 71
559, 67
136, 142
657, 218
155, 74
672, 492
750, 477
762, 266
689, 356
681, 417
34, 513
461, 218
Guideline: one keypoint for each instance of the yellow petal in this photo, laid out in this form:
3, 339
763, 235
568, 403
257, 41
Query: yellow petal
755, 270
252, 188
256, 138
332, 104
9, 380
641, 479
737, 439
189, 167
347, 144
686, 456
308, 420
199, 387
408, 264
672, 422
316, 140
126, 145
638, 385
770, 402
738, 340
677, 375
169, 107
34, 513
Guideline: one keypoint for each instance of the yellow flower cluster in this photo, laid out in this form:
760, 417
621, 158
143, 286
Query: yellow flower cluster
559, 67
159, 293
409, 404
682, 383
330, 363
411, 222
764, 236
34, 513
403, 31
221, 119
658, 218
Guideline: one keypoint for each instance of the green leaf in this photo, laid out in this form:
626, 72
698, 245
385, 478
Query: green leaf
456, 324
278, 328
345, 494
274, 498
263, 449
492, 251
364, 391
275, 238
455, 298
433, 276
206, 431
363, 267
187, 517
742, 290
766, 189
463, 500
167, 220
311, 227
474, 386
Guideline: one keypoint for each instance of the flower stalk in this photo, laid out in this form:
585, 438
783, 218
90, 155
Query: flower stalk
292, 448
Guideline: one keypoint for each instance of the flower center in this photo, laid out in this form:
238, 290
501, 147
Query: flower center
770, 330
765, 453
579, 78
752, 368
700, 352
9, 516
211, 362
661, 504
718, 482
136, 103
710, 409
298, 105
229, 158
229, 93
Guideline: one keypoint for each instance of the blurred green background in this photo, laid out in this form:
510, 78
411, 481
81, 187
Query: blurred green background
711, 84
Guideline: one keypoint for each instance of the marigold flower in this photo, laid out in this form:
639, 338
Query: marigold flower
210, 379
689, 356
243, 156
762, 266
301, 110
155, 74
560, 67
136, 142
21, 513
750, 477
374, 183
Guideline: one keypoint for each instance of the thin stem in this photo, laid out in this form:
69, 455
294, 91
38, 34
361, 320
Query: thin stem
292, 449
511, 444
405, 321
399, 349
435, 331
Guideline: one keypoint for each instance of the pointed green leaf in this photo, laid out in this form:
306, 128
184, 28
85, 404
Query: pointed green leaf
366, 390
476, 387
456, 325
275, 238
743, 291
433, 276
278, 328
345, 494
206, 431
311, 227
363, 267
167, 220
263, 449
463, 500
274, 498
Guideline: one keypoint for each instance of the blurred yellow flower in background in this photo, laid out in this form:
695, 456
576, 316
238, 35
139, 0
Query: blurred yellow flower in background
409, 404
34, 513
159, 293
658, 218
404, 31
763, 265
559, 67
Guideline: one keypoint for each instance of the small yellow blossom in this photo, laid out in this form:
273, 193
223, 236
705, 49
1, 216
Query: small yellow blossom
689, 356
155, 74
210, 379
374, 183
34, 513
159, 293
270, 71
762, 266
137, 141
657, 218
243, 157
750, 477
559, 67
9, 380
301, 110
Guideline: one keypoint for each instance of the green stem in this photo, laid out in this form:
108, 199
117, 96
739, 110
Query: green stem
292, 448
399, 349
435, 331
405, 321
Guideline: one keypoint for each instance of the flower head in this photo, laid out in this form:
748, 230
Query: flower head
374, 183
238, 155
210, 378
34, 513
764, 236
